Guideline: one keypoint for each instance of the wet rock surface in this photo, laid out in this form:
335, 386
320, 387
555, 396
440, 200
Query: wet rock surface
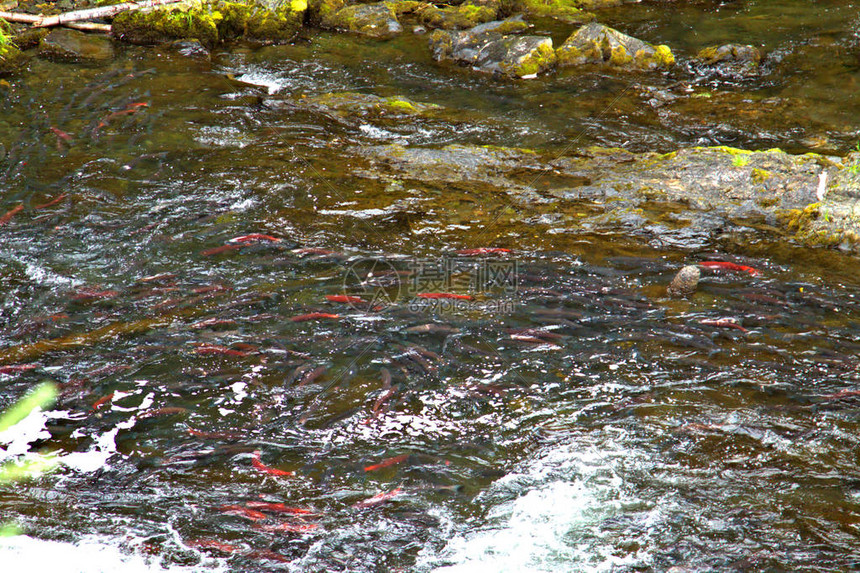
492, 48
376, 20
685, 198
466, 15
731, 59
11, 59
598, 44
685, 282
64, 45
213, 22
351, 104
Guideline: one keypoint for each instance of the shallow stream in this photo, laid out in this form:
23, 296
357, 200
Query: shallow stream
279, 403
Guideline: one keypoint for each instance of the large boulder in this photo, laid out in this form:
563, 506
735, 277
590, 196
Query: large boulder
598, 44
493, 48
377, 20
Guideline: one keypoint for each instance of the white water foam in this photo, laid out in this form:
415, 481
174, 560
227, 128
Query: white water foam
550, 516
90, 555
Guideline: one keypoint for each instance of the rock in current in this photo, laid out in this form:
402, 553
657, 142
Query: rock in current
685, 282
492, 48
731, 59
599, 44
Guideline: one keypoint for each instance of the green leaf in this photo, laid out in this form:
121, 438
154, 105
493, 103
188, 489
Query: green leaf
42, 396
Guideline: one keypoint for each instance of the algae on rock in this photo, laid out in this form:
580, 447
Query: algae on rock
466, 15
598, 44
488, 49
569, 11
213, 21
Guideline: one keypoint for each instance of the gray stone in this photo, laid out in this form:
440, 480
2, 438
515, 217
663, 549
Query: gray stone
492, 48
685, 282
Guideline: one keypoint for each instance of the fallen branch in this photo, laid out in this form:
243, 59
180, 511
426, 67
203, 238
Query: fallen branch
89, 27
78, 15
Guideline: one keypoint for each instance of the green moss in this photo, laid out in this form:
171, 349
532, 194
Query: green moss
467, 15
321, 9
30, 37
211, 22
664, 55
619, 56
165, 24
569, 56
406, 6
401, 105
564, 10
511, 26
11, 58
726, 149
539, 60
246, 20
740, 160
760, 175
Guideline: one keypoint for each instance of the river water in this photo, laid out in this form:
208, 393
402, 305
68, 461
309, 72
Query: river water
279, 403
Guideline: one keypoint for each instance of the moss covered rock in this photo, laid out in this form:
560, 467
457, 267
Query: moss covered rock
466, 15
347, 104
687, 198
569, 11
488, 49
30, 37
731, 59
376, 20
11, 58
167, 24
276, 22
599, 44
214, 21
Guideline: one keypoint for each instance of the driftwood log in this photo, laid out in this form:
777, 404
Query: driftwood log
75, 18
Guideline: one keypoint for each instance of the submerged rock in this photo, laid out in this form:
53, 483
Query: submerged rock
685, 282
353, 104
599, 44
65, 45
492, 48
376, 20
273, 21
686, 199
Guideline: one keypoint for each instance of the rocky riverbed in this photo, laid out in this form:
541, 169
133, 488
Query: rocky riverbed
811, 199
